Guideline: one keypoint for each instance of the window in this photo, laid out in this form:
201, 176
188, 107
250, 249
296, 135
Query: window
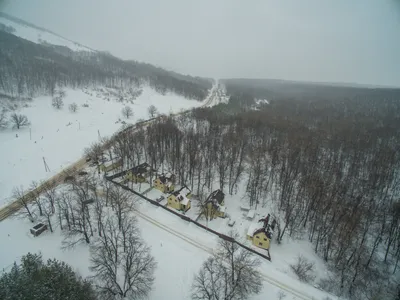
265, 239
257, 237
259, 244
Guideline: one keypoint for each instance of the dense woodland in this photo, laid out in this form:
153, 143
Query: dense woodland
33, 69
330, 168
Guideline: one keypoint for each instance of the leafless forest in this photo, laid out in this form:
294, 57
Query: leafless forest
331, 167
29, 69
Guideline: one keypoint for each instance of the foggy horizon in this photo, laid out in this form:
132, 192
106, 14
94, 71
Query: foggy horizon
312, 41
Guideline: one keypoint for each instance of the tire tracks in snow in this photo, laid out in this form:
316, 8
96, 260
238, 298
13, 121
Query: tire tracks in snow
299, 294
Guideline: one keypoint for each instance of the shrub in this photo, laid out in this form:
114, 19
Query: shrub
304, 269
73, 107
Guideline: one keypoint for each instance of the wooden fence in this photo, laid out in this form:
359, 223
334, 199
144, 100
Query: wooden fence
183, 217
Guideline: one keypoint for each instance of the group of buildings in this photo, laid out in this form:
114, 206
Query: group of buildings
180, 199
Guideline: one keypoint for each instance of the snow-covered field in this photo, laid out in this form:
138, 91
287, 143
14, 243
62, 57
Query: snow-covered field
59, 136
283, 255
178, 257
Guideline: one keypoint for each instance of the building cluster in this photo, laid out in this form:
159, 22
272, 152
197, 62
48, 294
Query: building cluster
213, 207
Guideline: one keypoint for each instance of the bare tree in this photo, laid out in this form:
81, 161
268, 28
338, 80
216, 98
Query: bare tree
19, 120
36, 196
122, 203
73, 107
303, 269
99, 210
48, 212
281, 295
231, 274
152, 110
82, 194
65, 210
3, 119
20, 195
127, 112
125, 271
57, 102
49, 193
94, 152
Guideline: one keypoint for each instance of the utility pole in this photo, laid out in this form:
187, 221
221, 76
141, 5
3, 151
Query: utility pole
46, 167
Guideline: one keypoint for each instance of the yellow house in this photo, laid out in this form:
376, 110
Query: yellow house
110, 165
260, 237
165, 183
180, 199
214, 205
139, 173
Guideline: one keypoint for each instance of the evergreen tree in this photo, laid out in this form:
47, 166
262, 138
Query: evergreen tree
34, 279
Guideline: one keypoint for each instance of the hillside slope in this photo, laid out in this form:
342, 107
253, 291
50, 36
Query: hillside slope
58, 137
34, 61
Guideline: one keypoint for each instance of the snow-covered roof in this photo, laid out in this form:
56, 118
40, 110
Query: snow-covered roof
262, 101
244, 207
182, 199
253, 227
222, 208
184, 191
181, 195
251, 214
166, 178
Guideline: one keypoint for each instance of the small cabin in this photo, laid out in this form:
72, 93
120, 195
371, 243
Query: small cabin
214, 205
260, 237
165, 183
180, 199
38, 229
139, 173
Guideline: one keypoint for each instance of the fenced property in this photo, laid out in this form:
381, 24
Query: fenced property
183, 217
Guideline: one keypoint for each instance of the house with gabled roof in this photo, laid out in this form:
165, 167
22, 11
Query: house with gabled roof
214, 206
260, 236
165, 182
139, 173
180, 199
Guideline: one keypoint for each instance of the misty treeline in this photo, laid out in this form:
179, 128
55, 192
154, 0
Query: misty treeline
272, 89
98, 214
332, 170
36, 69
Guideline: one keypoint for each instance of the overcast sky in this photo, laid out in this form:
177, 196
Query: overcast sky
353, 41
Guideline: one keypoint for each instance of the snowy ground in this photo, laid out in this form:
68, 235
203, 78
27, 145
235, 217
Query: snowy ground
283, 255
60, 136
176, 245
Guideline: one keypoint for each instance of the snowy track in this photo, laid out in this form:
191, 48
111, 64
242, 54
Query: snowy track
212, 98
299, 294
